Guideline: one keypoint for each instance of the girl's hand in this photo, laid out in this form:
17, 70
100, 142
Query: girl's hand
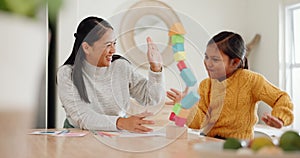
176, 96
272, 121
154, 57
135, 123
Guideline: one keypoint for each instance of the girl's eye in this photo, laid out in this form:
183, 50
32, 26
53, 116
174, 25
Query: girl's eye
206, 57
111, 44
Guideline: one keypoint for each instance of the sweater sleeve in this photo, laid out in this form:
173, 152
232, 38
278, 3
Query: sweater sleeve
79, 113
282, 106
199, 111
149, 91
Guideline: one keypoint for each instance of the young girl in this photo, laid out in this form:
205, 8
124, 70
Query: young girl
228, 98
95, 86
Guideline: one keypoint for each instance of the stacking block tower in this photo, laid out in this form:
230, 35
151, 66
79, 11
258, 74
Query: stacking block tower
181, 110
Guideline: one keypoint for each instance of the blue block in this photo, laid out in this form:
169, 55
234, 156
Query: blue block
189, 100
188, 77
178, 47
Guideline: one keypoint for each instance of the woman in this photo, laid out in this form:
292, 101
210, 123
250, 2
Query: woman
229, 96
95, 85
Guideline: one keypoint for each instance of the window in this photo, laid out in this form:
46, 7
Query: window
292, 58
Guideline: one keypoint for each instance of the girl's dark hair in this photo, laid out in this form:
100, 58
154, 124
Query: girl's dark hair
89, 30
232, 44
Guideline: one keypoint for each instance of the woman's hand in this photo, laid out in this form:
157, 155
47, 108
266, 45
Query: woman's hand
272, 121
154, 57
176, 96
135, 123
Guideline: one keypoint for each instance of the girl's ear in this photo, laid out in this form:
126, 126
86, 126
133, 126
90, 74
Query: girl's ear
85, 46
235, 62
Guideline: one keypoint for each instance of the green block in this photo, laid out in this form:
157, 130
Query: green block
177, 39
176, 108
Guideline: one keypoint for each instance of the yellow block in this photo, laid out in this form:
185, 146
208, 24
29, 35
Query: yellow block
179, 56
176, 28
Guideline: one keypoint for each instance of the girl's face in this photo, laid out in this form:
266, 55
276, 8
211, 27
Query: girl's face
218, 64
100, 53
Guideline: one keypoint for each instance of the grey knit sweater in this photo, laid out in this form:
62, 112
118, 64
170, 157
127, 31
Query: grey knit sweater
109, 90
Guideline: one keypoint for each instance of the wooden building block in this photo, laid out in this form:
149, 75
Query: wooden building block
176, 108
189, 100
188, 77
179, 121
175, 132
181, 65
177, 39
179, 56
184, 113
176, 28
172, 116
178, 47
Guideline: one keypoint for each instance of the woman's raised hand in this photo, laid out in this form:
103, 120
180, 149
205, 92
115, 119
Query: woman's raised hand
154, 57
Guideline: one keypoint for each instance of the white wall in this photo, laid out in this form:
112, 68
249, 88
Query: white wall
246, 17
263, 18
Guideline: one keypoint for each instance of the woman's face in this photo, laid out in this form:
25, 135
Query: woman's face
218, 64
100, 53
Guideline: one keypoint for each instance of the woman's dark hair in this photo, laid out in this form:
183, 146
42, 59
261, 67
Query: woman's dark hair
89, 30
233, 45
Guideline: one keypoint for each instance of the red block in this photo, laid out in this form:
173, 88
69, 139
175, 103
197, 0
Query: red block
179, 121
172, 116
181, 65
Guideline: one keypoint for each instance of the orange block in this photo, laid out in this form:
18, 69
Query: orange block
183, 113
176, 28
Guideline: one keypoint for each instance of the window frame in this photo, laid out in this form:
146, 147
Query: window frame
290, 61
288, 58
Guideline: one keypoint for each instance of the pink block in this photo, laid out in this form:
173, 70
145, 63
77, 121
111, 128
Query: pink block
179, 121
181, 65
172, 116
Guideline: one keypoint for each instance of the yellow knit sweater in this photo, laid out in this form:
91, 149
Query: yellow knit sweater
228, 108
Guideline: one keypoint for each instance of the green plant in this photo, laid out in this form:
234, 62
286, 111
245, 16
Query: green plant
30, 8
